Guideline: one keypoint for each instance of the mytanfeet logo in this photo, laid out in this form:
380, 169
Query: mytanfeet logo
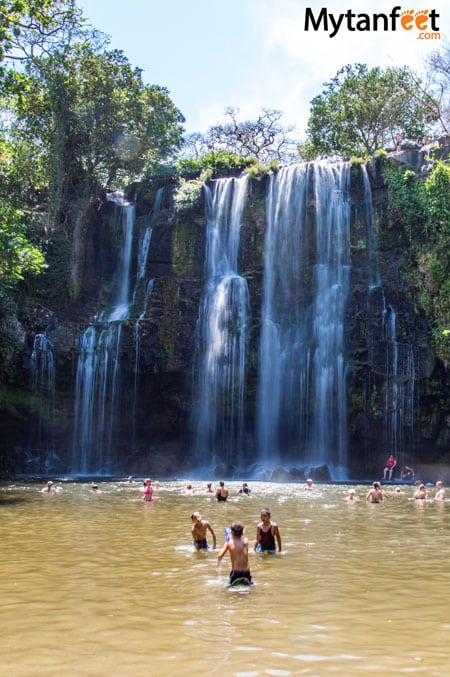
422, 23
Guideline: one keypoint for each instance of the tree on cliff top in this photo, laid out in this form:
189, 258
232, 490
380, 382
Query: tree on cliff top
361, 109
265, 139
87, 117
96, 104
438, 63
90, 122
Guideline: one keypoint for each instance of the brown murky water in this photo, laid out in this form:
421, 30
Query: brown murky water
101, 584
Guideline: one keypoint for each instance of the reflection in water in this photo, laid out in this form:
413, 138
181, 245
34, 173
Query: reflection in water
93, 583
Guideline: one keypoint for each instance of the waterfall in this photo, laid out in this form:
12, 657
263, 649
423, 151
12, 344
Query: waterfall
222, 330
399, 372
371, 233
328, 443
302, 393
391, 385
121, 308
97, 380
42, 368
141, 298
143, 287
137, 357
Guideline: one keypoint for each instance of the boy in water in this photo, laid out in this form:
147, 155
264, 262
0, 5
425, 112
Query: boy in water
199, 529
238, 549
266, 533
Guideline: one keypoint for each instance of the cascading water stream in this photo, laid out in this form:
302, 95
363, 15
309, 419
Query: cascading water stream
371, 233
141, 298
222, 330
43, 374
96, 390
143, 287
393, 359
43, 366
284, 353
302, 393
328, 442
399, 391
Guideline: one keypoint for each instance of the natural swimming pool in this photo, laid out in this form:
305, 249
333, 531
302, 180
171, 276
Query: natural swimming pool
99, 584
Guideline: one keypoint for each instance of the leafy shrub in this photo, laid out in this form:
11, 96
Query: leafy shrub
220, 164
188, 194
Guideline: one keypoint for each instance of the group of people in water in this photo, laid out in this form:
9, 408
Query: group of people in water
267, 537
377, 493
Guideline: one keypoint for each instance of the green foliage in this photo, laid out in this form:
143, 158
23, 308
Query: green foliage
29, 25
188, 194
23, 175
438, 194
17, 256
258, 171
380, 154
307, 151
263, 139
101, 119
357, 161
407, 201
83, 121
359, 111
422, 209
54, 280
221, 163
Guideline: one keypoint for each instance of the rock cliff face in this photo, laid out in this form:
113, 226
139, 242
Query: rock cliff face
397, 391
395, 381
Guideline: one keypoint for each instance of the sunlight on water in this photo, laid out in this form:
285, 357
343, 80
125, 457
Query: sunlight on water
99, 584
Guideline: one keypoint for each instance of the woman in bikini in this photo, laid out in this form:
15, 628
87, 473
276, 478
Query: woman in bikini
148, 491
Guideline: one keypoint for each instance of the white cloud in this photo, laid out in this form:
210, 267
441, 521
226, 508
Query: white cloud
294, 63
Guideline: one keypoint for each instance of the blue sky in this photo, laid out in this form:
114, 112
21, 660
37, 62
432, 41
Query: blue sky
250, 54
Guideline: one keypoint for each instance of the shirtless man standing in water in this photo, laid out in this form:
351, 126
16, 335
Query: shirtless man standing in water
238, 549
199, 532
